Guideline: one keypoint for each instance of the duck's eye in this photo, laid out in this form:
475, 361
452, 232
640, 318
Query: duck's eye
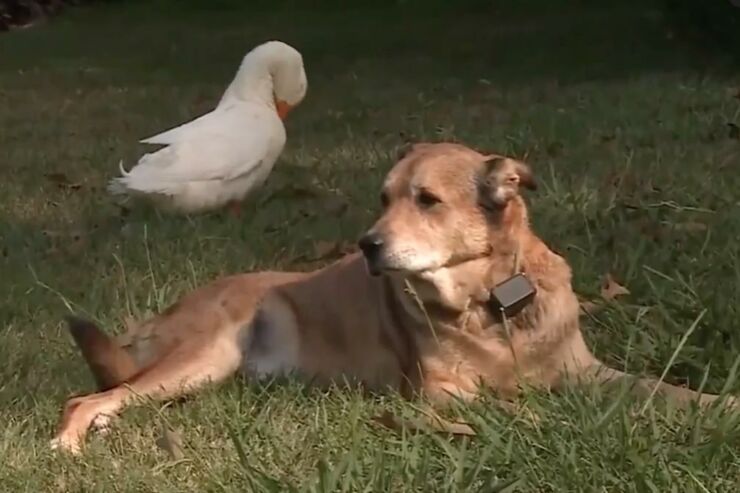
427, 199
384, 200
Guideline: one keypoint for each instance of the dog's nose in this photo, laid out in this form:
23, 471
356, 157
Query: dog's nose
371, 244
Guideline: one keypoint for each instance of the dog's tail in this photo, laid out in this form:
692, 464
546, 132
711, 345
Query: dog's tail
110, 364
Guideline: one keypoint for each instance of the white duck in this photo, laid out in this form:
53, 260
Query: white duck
218, 158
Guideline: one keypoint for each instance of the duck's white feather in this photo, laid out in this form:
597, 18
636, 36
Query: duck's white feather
170, 136
222, 155
216, 158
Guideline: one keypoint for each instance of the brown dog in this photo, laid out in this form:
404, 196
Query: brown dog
434, 308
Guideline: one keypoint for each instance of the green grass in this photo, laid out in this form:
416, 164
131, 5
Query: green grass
625, 125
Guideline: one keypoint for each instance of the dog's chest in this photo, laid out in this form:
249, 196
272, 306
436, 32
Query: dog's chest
478, 347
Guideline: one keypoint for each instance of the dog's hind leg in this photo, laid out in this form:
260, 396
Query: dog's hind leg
581, 366
647, 387
188, 366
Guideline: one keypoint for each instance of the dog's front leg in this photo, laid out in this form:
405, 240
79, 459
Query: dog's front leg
181, 371
441, 393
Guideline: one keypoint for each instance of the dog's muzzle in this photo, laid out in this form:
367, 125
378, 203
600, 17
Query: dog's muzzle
372, 245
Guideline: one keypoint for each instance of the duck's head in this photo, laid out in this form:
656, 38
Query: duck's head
274, 71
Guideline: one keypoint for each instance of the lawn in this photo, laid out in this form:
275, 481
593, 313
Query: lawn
631, 130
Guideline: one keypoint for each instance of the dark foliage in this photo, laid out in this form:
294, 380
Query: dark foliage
22, 13
716, 22
709, 22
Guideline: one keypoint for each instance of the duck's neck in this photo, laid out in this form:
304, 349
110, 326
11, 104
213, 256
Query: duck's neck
253, 82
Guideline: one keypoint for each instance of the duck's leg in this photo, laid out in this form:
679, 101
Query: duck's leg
234, 207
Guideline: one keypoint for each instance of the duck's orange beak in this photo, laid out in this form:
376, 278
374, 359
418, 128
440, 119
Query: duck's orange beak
282, 108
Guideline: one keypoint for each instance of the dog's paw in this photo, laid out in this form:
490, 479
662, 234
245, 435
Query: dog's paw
102, 424
66, 444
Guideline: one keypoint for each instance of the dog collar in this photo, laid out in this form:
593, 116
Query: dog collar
511, 296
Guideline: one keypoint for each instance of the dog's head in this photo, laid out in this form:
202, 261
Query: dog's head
444, 204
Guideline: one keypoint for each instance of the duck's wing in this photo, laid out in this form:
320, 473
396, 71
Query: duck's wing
222, 145
180, 132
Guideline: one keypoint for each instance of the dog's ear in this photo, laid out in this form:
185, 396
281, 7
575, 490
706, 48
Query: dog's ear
502, 178
406, 149
403, 151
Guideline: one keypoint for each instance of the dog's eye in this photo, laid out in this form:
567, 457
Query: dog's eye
384, 200
427, 199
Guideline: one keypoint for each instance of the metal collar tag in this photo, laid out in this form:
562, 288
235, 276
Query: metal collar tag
512, 295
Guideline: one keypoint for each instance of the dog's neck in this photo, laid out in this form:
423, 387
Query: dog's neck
468, 283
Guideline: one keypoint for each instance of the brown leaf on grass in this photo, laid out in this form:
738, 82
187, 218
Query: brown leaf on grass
335, 206
651, 229
733, 131
66, 241
62, 181
294, 190
57, 178
555, 149
332, 249
389, 420
690, 227
591, 307
322, 251
428, 423
611, 289
609, 141
659, 231
171, 442
304, 190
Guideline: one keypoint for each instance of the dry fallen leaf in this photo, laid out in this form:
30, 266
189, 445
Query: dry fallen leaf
435, 423
651, 229
611, 289
733, 131
555, 149
324, 249
388, 420
453, 428
335, 206
171, 442
331, 249
590, 307
294, 190
68, 241
690, 226
62, 181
